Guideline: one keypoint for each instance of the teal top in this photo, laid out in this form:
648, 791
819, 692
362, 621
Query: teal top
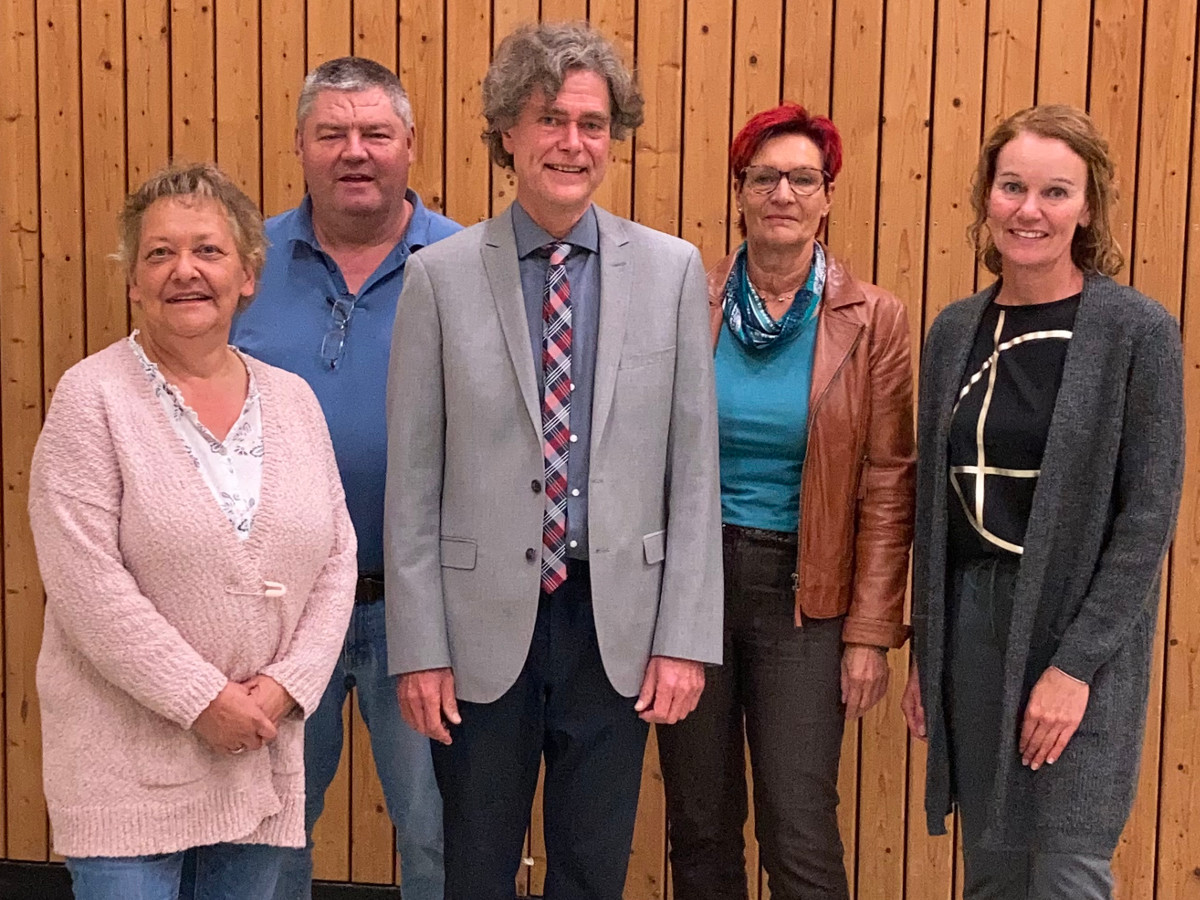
762, 408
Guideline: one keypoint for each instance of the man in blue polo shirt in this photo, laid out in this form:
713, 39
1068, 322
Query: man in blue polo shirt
325, 308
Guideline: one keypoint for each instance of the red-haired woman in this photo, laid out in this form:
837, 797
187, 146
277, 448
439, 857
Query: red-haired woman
814, 394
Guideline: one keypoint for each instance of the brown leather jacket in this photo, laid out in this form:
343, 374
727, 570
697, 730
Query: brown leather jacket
856, 496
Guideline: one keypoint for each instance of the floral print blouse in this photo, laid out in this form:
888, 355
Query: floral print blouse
232, 468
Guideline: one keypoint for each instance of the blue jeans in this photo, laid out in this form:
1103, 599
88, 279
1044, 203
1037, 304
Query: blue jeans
223, 872
402, 759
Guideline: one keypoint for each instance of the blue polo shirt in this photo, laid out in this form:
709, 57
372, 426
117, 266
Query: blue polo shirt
287, 322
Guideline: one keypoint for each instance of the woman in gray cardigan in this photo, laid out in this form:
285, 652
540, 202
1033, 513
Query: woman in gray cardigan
1050, 461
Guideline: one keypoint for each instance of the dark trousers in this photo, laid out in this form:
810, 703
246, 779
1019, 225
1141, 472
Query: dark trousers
979, 616
563, 707
784, 682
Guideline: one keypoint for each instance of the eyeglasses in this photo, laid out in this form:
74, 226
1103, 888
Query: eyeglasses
334, 342
804, 180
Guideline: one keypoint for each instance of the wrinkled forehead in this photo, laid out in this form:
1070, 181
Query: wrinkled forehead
334, 106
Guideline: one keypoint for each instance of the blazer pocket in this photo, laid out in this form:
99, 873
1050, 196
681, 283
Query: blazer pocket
655, 547
640, 360
458, 553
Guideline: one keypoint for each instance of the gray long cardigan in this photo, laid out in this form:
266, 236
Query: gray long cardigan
1087, 593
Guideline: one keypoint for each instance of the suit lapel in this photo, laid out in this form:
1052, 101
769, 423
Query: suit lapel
614, 304
504, 278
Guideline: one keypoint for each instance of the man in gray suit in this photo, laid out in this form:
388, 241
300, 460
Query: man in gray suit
552, 542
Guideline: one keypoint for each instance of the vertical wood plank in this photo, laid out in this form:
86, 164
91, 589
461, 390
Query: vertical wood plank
1011, 57
646, 878
422, 70
618, 21
1063, 52
1115, 101
658, 147
103, 65
21, 376
467, 164
238, 134
329, 31
283, 76
506, 16
808, 55
706, 97
193, 100
147, 89
331, 836
564, 10
372, 838
377, 31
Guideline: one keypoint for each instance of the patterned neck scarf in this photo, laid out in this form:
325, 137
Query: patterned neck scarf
747, 316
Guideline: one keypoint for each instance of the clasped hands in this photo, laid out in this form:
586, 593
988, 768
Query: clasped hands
670, 690
244, 716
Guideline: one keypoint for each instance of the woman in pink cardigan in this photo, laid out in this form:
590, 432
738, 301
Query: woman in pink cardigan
199, 566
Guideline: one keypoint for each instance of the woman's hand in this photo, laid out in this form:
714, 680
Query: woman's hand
233, 721
864, 678
1055, 709
912, 707
272, 698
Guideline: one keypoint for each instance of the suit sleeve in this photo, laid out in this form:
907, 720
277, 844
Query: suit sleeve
416, 422
1147, 494
691, 603
884, 521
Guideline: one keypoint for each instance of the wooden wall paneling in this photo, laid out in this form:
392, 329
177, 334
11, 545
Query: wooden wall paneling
531, 875
21, 374
467, 164
1012, 32
283, 71
147, 89
331, 836
372, 838
193, 80
376, 31
618, 20
506, 16
1179, 810
903, 188
646, 878
756, 877
657, 145
757, 77
708, 35
1115, 100
238, 71
102, 55
423, 73
328, 30
808, 55
1062, 73
564, 10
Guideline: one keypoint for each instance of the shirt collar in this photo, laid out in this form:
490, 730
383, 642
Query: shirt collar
532, 237
416, 235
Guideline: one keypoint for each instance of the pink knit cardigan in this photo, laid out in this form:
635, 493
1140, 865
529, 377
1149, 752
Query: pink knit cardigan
153, 604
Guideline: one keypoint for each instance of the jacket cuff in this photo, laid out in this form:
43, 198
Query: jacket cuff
857, 630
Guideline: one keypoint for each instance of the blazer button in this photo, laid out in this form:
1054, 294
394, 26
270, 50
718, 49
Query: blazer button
535, 486
530, 554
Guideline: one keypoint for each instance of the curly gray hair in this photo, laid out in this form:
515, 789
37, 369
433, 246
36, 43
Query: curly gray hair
540, 57
353, 73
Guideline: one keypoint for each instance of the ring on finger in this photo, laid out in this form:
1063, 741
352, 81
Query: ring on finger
241, 749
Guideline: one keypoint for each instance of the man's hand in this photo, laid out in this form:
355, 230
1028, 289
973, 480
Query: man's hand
864, 678
427, 702
272, 698
233, 722
670, 690
912, 707
1055, 709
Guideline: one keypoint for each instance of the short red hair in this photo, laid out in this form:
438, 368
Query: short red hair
787, 118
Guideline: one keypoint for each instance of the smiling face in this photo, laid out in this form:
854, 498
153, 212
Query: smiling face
355, 152
1037, 200
782, 218
188, 277
560, 149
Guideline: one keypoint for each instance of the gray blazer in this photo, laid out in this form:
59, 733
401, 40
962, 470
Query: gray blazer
1087, 592
463, 521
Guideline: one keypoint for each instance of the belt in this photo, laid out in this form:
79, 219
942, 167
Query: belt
369, 588
762, 535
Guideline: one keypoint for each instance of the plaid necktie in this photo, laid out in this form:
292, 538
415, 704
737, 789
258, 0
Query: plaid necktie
556, 414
